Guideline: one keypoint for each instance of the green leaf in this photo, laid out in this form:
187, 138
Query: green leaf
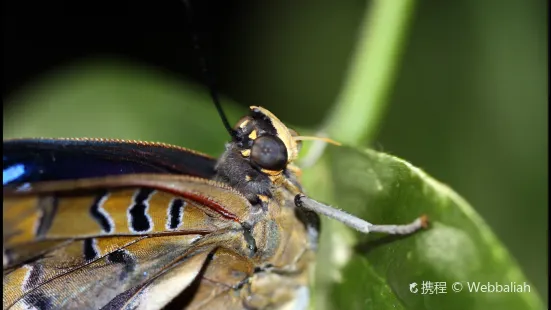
458, 246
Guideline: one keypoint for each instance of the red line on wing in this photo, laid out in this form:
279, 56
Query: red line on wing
207, 202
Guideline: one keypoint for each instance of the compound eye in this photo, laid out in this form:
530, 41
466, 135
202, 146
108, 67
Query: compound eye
269, 153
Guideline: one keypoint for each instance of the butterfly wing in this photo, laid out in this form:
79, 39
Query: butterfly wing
126, 241
63, 280
33, 160
218, 286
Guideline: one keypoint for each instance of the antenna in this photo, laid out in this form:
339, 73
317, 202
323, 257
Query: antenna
206, 74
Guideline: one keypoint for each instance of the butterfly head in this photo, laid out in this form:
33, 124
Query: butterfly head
266, 142
260, 155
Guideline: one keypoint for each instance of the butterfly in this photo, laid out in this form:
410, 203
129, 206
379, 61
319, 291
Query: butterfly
113, 224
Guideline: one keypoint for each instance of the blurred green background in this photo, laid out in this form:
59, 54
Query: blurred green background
468, 103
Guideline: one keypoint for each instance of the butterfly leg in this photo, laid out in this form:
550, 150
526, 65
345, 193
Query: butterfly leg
360, 225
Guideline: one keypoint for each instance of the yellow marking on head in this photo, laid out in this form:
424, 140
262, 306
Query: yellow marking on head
283, 133
248, 178
244, 123
246, 153
252, 135
271, 172
263, 198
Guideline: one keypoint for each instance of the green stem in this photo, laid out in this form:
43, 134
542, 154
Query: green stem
362, 100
